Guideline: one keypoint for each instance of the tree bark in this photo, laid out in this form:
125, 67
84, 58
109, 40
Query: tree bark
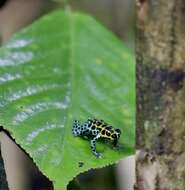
3, 182
160, 49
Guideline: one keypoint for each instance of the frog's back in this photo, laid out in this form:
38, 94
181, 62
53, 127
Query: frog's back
105, 130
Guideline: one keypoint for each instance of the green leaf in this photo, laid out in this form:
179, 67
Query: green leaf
66, 66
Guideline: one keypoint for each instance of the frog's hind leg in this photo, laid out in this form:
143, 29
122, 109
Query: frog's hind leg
115, 143
76, 129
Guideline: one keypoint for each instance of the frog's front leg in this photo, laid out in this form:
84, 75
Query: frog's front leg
93, 146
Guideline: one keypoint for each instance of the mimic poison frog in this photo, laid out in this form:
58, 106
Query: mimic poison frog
96, 129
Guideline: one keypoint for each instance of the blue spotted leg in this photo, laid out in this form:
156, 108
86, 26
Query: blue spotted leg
93, 146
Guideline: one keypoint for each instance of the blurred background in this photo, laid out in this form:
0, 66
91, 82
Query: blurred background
118, 16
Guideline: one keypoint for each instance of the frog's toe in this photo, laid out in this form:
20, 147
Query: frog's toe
98, 155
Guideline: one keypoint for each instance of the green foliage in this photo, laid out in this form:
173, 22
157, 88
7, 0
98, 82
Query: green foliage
66, 66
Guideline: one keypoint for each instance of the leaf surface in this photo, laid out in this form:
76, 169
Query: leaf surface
66, 66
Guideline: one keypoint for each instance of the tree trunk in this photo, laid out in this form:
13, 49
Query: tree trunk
3, 182
160, 95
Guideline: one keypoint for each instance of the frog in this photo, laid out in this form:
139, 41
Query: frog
95, 129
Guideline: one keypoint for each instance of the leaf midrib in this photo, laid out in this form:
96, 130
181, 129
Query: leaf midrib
72, 87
